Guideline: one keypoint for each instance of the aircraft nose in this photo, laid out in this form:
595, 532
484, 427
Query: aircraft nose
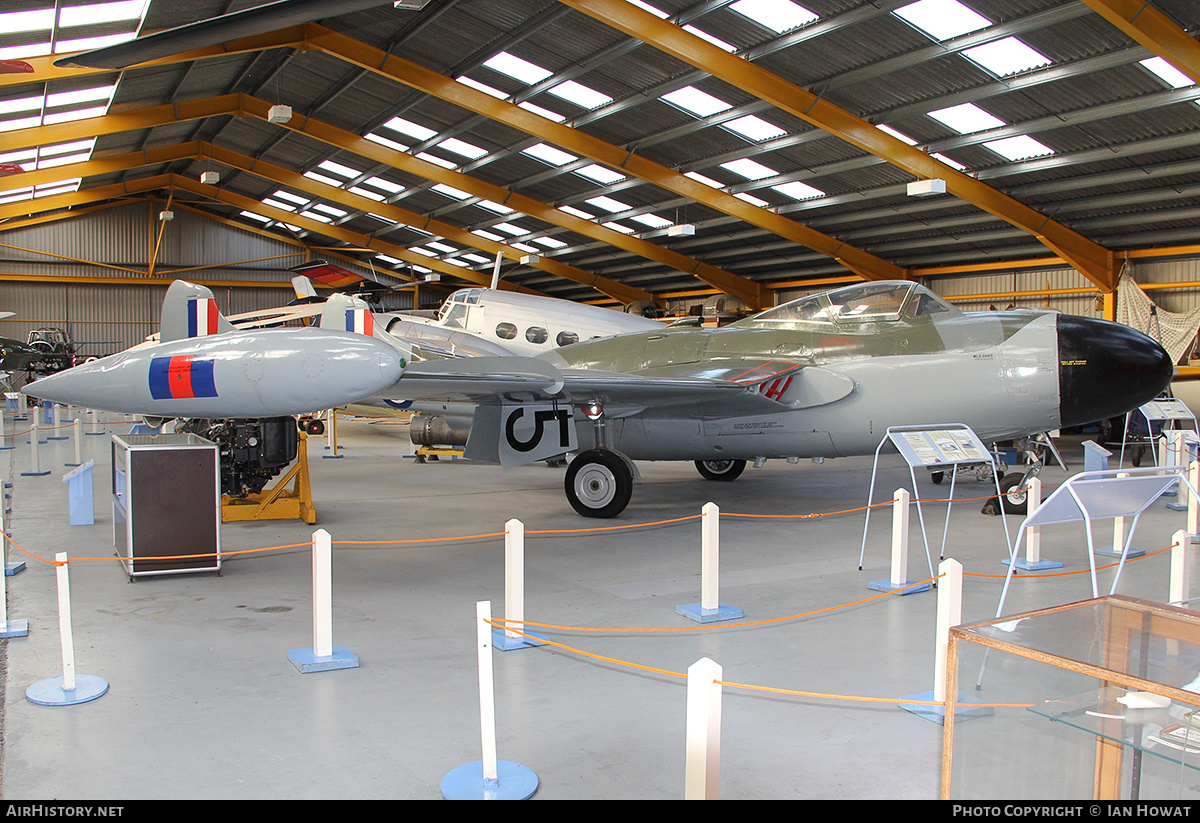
1106, 369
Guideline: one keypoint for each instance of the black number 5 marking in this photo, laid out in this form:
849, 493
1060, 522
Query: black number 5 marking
540, 419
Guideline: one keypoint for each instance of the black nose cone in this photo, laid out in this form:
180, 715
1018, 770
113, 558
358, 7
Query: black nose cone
1106, 369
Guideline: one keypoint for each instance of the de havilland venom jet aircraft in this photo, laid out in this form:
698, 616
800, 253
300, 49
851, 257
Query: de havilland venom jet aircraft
819, 377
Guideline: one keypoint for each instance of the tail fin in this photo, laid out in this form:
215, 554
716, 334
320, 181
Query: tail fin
304, 288
345, 313
190, 311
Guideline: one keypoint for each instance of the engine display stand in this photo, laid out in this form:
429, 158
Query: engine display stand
278, 502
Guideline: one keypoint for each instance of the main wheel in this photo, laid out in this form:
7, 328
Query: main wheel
720, 469
1013, 496
598, 483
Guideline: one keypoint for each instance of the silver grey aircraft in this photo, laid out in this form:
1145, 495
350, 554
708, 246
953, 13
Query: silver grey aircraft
819, 377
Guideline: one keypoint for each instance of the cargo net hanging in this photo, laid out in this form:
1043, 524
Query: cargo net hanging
1176, 331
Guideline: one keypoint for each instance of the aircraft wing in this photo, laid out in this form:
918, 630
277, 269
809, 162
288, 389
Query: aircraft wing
718, 390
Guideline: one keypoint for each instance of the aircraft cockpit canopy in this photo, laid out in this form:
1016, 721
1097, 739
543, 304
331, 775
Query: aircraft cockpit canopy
864, 302
453, 312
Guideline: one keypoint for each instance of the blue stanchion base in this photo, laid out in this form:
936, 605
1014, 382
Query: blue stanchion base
502, 642
1035, 566
306, 661
886, 585
1110, 552
6, 448
12, 568
50, 692
723, 611
35, 474
937, 714
330, 456
58, 438
14, 628
513, 782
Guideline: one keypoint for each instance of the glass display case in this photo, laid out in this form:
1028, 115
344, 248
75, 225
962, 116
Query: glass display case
1091, 700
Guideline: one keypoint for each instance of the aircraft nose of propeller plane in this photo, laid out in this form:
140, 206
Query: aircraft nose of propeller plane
1105, 369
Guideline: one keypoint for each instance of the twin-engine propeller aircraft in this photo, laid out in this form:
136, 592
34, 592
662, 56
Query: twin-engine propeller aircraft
819, 377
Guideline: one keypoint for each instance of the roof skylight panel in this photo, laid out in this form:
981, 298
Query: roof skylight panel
601, 174
700, 178
716, 41
651, 220
695, 101
541, 112
750, 198
494, 207
509, 228
966, 118
798, 191
367, 193
750, 169
942, 19
577, 212
462, 147
442, 247
483, 87
901, 136
777, 15
295, 198
383, 185
1006, 56
487, 235
450, 191
517, 68
550, 242
754, 128
98, 13
579, 94
1167, 73
618, 227
659, 13
437, 161
1021, 147
321, 178
338, 169
952, 163
15, 22
549, 154
608, 204
384, 141
408, 127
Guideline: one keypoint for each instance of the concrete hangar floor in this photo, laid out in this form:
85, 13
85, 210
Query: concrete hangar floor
204, 703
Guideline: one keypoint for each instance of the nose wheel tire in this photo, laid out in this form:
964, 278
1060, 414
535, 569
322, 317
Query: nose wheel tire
720, 469
598, 483
1013, 494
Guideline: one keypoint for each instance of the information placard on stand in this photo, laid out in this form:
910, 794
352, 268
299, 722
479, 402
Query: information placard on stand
1167, 412
935, 447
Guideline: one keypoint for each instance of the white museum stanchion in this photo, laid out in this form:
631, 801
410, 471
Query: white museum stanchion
9, 628
4, 444
70, 689
1094, 496
77, 432
11, 567
35, 459
1032, 561
507, 640
702, 769
81, 510
331, 435
323, 656
710, 609
56, 423
94, 423
488, 779
944, 447
949, 614
1179, 592
899, 564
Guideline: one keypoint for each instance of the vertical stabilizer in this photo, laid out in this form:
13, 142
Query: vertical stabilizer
190, 311
345, 313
